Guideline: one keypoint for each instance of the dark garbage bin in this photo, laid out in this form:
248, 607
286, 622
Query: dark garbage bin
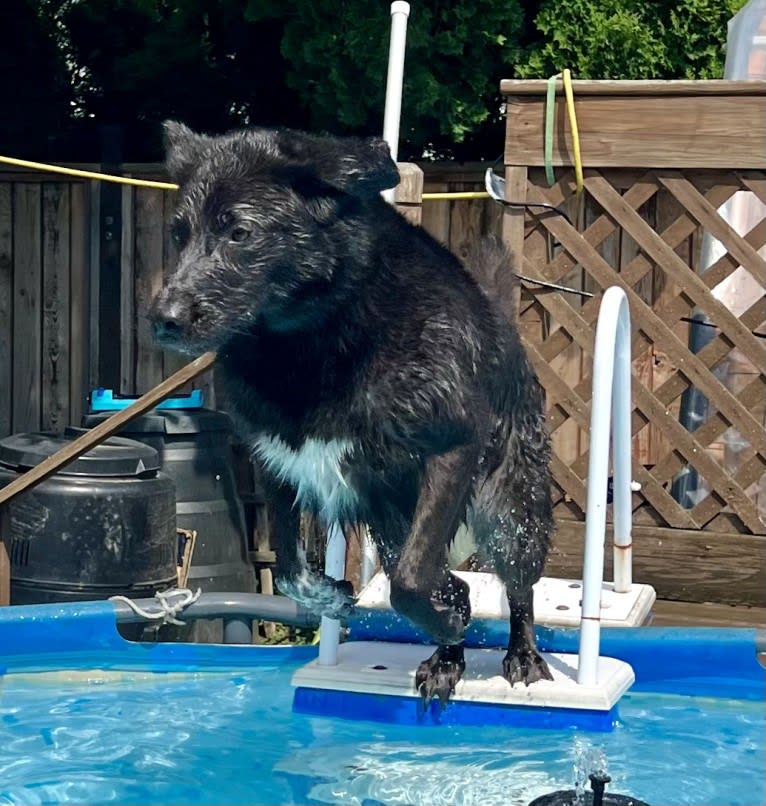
104, 525
194, 448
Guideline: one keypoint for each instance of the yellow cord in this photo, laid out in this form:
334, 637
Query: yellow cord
566, 77
148, 183
479, 194
120, 180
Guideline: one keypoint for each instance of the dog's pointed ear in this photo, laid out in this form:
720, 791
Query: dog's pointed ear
359, 166
183, 149
366, 168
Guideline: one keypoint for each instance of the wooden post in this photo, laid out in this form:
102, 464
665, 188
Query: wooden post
409, 192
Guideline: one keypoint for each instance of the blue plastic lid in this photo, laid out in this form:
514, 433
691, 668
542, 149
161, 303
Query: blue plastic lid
105, 400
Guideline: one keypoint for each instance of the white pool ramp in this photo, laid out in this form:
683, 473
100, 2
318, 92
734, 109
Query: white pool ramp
557, 602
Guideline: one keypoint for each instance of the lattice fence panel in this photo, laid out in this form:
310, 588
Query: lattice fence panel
644, 231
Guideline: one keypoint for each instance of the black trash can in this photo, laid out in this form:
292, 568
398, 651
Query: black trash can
194, 446
104, 525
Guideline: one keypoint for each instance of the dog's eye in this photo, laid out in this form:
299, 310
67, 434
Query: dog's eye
239, 234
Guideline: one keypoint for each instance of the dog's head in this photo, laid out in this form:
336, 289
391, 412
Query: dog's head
265, 222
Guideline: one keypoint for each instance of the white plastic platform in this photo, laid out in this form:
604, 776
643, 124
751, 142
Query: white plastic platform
380, 668
557, 601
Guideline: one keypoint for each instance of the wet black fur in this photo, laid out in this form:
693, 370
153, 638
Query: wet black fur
335, 319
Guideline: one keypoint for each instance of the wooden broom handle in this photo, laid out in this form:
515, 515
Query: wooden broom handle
105, 429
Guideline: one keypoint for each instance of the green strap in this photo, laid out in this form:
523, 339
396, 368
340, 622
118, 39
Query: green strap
550, 110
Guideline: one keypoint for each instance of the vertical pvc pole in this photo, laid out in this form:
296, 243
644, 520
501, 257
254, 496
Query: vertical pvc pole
614, 307
400, 12
369, 561
621, 453
335, 567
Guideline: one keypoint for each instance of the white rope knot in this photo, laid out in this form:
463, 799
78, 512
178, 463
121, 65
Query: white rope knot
168, 609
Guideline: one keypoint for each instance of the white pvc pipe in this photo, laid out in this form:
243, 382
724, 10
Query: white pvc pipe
335, 567
611, 388
335, 557
369, 560
622, 509
400, 12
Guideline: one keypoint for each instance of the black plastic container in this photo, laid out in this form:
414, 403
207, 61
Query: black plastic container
194, 448
104, 525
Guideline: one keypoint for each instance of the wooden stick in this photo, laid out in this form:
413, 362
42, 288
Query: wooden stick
105, 429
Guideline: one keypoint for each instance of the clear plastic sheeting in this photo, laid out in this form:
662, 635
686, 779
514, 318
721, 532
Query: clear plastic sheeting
740, 291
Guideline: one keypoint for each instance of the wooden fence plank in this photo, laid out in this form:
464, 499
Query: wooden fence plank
171, 360
435, 217
27, 279
79, 304
6, 306
148, 282
698, 133
56, 216
680, 564
668, 211
94, 275
128, 293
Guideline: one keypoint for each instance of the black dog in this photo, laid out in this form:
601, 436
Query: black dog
373, 376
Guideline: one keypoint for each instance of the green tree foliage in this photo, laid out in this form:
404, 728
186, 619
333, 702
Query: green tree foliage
457, 51
34, 84
620, 39
198, 60
70, 68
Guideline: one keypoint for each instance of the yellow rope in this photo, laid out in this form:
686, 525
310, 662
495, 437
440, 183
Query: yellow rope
566, 77
148, 183
456, 195
120, 180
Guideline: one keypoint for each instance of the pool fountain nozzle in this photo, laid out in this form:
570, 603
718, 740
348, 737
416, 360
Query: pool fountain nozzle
598, 782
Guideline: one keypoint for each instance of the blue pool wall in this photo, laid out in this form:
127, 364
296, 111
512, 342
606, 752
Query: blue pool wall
698, 661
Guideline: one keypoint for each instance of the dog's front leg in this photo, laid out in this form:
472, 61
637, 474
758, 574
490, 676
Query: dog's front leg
421, 586
316, 592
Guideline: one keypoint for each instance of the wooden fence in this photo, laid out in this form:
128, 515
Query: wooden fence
60, 254
660, 158
78, 271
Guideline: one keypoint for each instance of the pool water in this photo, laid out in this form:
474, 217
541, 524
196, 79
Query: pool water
231, 738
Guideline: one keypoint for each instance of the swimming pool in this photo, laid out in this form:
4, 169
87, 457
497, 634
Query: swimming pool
86, 717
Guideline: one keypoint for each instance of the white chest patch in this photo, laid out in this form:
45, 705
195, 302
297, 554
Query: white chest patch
314, 470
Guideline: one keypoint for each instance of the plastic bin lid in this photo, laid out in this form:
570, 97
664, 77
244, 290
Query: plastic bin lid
106, 400
168, 422
116, 456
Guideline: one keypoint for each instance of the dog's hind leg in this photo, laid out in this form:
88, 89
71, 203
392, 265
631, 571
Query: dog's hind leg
316, 592
512, 523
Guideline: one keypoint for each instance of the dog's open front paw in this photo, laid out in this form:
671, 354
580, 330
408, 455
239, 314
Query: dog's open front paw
438, 676
525, 666
319, 593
